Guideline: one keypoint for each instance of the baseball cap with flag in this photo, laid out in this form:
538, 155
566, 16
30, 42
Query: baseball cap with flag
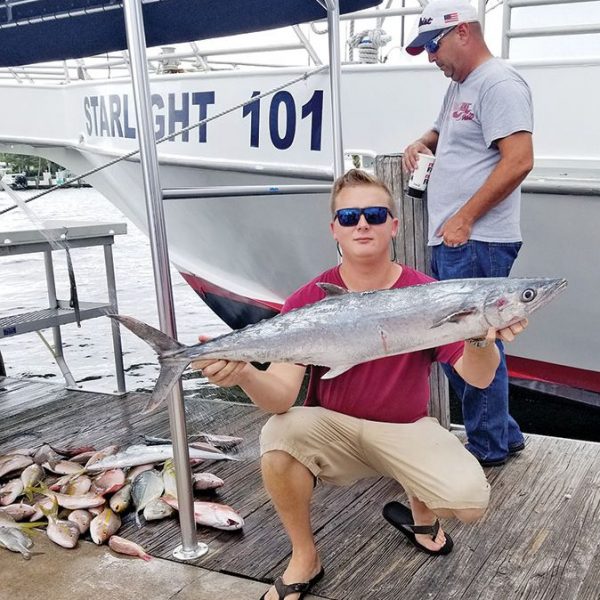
437, 16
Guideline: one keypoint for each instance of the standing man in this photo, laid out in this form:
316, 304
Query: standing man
371, 420
483, 147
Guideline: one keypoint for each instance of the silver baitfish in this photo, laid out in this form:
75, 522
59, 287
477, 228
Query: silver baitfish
348, 328
141, 455
157, 510
221, 441
146, 487
16, 540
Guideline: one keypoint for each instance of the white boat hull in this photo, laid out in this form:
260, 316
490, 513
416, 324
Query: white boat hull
244, 255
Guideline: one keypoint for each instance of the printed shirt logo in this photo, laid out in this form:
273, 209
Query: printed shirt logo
463, 112
425, 21
451, 17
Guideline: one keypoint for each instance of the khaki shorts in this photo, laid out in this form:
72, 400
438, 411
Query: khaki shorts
426, 459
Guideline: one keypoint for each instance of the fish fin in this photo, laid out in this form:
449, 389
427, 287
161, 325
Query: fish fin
456, 317
32, 524
169, 376
331, 289
51, 512
335, 371
160, 341
40, 488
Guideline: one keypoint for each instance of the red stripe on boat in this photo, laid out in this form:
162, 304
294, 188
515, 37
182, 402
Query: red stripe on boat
526, 368
205, 287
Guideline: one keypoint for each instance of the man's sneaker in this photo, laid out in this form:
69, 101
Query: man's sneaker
484, 462
516, 448
491, 463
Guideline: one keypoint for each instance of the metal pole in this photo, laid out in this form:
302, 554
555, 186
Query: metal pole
307, 45
231, 191
111, 284
481, 13
506, 20
136, 41
53, 303
335, 72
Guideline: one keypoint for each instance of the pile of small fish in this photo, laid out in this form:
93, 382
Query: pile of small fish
73, 491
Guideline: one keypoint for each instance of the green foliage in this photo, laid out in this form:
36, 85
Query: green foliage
30, 165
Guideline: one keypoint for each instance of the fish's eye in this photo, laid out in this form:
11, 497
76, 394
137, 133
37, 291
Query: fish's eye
528, 295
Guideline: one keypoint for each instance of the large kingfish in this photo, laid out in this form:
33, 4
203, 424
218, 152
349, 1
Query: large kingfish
348, 328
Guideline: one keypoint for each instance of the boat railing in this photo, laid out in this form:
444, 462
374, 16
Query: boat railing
230, 191
508, 33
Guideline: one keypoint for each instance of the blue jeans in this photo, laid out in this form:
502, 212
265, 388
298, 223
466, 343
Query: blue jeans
491, 431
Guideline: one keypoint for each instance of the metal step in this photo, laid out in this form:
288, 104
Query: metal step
50, 317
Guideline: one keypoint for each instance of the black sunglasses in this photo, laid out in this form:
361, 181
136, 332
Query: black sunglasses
374, 215
432, 46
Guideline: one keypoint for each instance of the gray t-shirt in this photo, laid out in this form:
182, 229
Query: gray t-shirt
492, 103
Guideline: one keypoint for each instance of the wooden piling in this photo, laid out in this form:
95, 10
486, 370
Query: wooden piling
412, 250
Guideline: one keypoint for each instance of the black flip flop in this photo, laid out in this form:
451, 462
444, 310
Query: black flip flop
400, 516
284, 589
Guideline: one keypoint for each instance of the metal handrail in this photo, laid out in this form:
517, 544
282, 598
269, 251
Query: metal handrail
549, 31
231, 191
508, 33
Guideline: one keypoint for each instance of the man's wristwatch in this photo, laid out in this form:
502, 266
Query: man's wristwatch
480, 342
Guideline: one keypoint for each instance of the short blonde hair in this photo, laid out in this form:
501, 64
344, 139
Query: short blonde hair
355, 178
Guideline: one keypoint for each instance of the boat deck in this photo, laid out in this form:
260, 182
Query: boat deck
539, 538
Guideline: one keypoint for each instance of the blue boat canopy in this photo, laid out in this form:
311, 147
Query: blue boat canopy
46, 30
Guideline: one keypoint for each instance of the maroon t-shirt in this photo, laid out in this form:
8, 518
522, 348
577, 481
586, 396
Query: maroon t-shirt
394, 389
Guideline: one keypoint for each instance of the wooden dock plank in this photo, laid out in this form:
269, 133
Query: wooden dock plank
539, 539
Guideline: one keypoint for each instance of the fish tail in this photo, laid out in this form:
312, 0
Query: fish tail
51, 512
138, 518
170, 371
28, 492
160, 342
169, 376
40, 488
